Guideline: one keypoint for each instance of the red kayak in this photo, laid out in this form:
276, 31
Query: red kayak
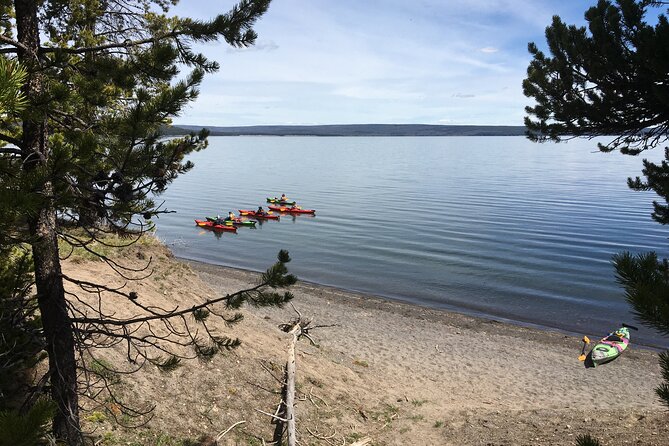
254, 214
292, 210
214, 226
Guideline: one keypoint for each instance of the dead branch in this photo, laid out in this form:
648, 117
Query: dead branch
275, 392
322, 437
219, 436
290, 383
280, 381
311, 395
276, 417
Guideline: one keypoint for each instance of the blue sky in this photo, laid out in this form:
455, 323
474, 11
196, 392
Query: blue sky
376, 61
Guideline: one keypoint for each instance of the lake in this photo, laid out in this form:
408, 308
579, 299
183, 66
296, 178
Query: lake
493, 226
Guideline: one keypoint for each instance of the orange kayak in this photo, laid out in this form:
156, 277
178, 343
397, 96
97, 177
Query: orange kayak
213, 226
292, 210
254, 214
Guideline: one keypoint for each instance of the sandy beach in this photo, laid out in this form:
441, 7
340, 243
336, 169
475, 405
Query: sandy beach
393, 373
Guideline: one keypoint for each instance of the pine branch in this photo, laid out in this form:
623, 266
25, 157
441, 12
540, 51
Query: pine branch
16, 44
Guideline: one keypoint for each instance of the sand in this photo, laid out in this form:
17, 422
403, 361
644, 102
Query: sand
393, 373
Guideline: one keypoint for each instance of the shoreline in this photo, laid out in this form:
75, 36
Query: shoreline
392, 372
452, 315
372, 368
406, 374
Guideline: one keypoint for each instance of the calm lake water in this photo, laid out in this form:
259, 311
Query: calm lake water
494, 226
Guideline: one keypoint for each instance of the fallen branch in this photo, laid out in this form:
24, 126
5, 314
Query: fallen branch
290, 384
262, 388
271, 373
311, 395
296, 328
322, 437
272, 415
219, 436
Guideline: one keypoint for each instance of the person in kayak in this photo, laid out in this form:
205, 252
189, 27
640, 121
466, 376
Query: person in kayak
260, 211
231, 216
283, 197
220, 220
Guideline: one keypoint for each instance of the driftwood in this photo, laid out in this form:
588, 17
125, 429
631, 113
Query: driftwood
290, 384
297, 328
222, 434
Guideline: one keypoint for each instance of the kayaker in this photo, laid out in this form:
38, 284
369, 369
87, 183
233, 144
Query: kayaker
283, 197
231, 216
260, 211
219, 220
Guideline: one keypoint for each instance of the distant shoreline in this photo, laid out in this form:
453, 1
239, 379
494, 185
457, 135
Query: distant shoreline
353, 130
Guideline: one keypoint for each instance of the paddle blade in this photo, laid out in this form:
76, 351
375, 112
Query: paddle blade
586, 341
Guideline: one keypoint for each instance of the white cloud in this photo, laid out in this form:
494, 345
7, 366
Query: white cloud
354, 61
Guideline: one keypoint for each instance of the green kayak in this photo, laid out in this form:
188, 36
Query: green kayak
236, 222
281, 202
610, 347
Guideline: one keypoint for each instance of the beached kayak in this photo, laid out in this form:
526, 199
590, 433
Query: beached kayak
281, 202
236, 222
254, 214
610, 347
292, 210
211, 225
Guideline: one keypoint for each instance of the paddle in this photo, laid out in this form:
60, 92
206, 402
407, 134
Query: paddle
630, 326
586, 341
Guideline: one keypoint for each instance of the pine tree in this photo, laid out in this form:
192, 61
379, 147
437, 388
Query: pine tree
86, 158
613, 79
29, 429
608, 79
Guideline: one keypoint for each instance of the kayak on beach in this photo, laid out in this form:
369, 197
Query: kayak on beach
611, 346
254, 214
281, 202
213, 226
292, 210
236, 222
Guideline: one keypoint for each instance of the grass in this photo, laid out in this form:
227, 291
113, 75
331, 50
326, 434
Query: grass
360, 363
387, 414
438, 424
105, 370
418, 403
96, 417
353, 436
252, 441
104, 245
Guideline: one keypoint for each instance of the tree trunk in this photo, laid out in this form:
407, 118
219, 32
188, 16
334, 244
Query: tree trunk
290, 386
57, 328
48, 279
